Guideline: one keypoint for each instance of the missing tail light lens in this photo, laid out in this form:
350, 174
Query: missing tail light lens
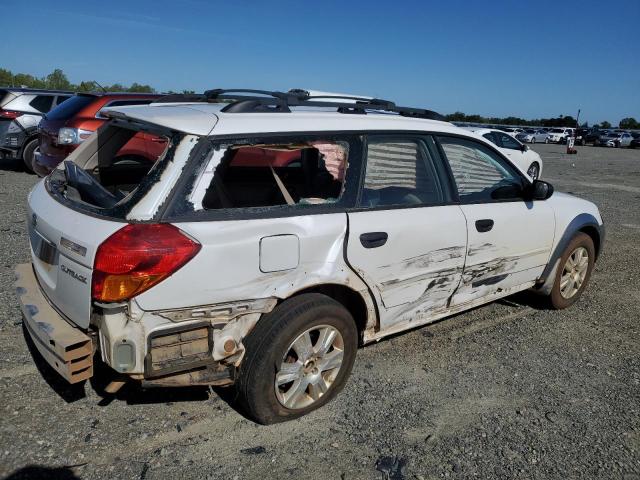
137, 257
10, 114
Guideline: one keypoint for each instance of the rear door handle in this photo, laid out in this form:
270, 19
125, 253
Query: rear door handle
373, 239
484, 225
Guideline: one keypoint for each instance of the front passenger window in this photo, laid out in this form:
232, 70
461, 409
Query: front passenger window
481, 175
400, 171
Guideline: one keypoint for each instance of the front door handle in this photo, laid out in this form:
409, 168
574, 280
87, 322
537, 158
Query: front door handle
484, 225
373, 239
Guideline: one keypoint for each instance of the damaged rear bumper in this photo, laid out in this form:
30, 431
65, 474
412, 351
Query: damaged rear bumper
66, 348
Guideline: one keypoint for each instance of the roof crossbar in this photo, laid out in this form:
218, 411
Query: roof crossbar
258, 101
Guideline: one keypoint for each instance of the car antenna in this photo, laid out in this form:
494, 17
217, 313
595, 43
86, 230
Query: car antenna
100, 86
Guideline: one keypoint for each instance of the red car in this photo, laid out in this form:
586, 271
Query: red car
74, 120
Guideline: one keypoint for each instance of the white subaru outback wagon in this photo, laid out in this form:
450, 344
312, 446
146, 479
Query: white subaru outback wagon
276, 234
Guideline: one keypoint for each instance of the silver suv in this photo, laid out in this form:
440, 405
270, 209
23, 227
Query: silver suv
21, 109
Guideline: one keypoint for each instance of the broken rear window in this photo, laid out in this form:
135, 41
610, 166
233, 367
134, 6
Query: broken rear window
296, 172
104, 178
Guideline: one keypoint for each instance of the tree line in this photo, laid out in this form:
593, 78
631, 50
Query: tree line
57, 80
561, 121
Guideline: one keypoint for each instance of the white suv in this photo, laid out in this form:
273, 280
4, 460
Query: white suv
275, 235
559, 135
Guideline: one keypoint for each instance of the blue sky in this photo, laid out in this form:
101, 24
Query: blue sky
525, 58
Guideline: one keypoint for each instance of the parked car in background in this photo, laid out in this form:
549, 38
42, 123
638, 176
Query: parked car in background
510, 130
21, 109
635, 143
559, 135
520, 154
68, 125
615, 139
586, 136
220, 268
531, 135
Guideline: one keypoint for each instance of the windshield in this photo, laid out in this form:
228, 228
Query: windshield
556, 130
70, 107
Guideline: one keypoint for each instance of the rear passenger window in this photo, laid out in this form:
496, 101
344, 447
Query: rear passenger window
295, 172
400, 171
62, 98
42, 103
481, 175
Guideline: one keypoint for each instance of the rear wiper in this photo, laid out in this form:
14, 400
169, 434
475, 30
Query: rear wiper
89, 188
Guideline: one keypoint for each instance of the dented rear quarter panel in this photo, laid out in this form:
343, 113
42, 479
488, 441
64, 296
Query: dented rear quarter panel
228, 267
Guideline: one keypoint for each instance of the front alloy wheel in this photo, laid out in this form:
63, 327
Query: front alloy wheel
574, 272
534, 171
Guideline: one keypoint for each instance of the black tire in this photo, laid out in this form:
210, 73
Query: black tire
534, 171
556, 299
28, 154
269, 341
533, 140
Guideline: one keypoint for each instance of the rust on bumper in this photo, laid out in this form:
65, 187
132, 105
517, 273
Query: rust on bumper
65, 347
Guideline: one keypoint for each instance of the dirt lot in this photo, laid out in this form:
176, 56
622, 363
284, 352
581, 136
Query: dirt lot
508, 390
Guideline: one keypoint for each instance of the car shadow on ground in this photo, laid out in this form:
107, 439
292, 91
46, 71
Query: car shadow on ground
526, 298
37, 472
13, 165
68, 392
132, 392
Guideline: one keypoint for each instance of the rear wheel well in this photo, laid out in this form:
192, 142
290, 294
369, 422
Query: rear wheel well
348, 298
29, 139
595, 236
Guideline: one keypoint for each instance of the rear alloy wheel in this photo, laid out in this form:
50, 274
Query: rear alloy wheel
534, 171
297, 358
546, 140
533, 140
309, 367
28, 154
574, 271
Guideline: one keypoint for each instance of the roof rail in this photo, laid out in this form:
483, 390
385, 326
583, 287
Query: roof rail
256, 101
181, 97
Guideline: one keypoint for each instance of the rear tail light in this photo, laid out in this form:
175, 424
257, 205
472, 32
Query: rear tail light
137, 257
10, 114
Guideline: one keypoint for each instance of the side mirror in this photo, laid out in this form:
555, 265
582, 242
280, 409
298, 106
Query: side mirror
524, 147
541, 190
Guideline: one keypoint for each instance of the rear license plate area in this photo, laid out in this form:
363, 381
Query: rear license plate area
43, 249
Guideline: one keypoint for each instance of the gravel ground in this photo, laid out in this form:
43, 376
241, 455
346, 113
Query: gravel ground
508, 390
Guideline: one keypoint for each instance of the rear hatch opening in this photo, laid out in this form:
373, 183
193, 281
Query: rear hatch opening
85, 201
96, 179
